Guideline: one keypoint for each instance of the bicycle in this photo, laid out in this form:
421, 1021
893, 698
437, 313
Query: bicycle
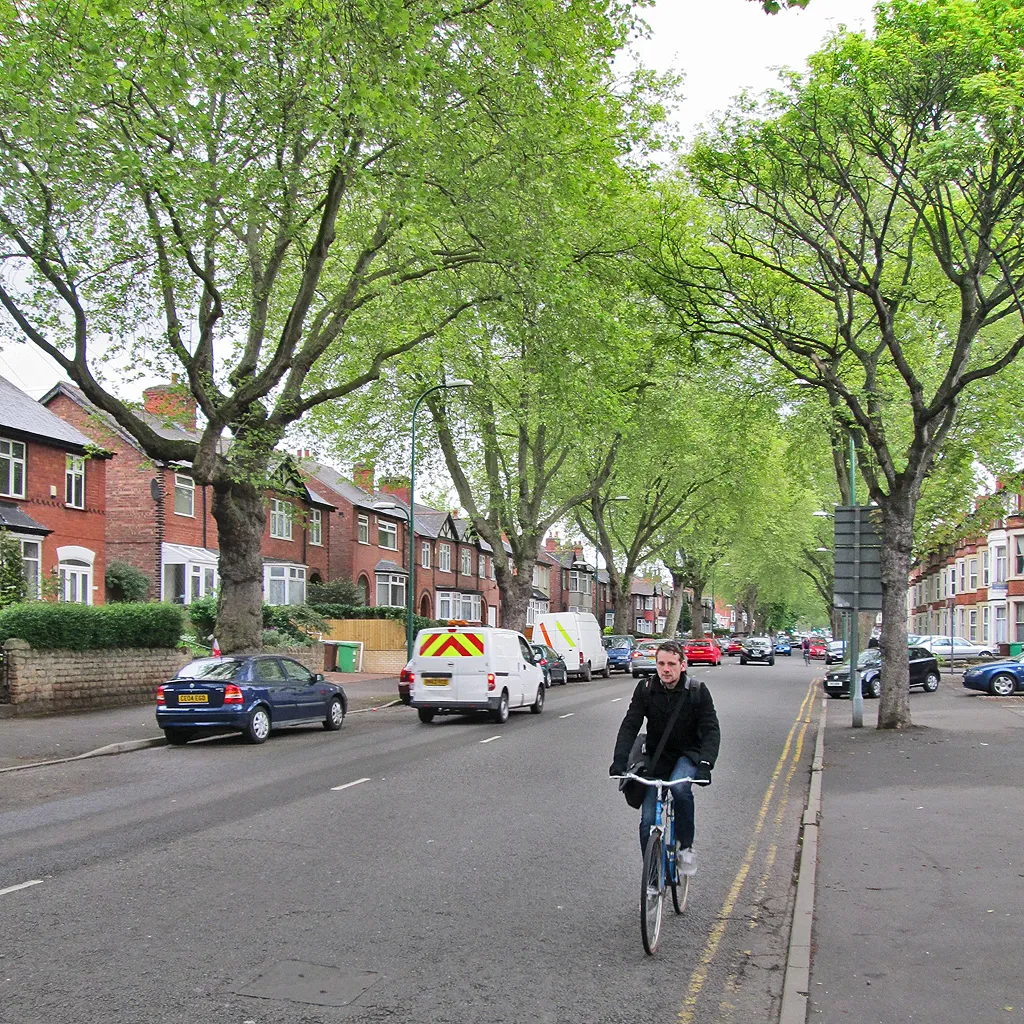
660, 867
807, 656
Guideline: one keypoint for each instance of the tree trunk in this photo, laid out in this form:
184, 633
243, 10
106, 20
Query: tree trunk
696, 608
623, 613
241, 515
897, 545
516, 594
678, 597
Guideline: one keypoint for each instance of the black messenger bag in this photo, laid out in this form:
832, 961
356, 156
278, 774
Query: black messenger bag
641, 763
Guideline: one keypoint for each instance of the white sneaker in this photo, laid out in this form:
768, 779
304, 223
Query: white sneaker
686, 861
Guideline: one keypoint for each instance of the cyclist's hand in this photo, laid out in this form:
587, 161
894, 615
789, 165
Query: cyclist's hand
615, 770
703, 775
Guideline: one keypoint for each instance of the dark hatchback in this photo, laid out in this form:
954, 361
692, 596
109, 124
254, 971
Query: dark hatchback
251, 695
924, 672
551, 663
620, 651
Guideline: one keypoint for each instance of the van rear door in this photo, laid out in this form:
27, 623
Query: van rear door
453, 666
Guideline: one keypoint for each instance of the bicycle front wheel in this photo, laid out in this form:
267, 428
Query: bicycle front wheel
680, 890
652, 893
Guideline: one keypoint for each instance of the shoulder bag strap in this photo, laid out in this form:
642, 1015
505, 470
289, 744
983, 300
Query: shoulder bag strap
668, 730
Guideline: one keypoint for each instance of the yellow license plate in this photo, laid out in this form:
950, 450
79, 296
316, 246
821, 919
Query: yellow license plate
434, 681
193, 698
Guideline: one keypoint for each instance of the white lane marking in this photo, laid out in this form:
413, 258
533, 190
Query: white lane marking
571, 713
334, 789
616, 700
23, 885
491, 739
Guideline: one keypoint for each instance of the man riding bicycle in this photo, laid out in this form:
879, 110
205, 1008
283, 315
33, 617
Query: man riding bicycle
690, 750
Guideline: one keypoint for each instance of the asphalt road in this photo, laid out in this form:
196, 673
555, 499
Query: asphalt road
457, 878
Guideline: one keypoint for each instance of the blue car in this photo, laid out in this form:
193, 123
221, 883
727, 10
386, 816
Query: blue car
250, 694
620, 651
999, 678
783, 645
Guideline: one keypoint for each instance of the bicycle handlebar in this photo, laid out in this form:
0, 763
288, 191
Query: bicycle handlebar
660, 782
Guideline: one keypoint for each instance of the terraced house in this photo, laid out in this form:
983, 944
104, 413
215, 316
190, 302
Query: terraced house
52, 499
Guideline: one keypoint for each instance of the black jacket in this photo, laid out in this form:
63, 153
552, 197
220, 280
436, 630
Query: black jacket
695, 732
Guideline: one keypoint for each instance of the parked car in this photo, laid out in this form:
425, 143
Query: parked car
783, 645
960, 647
1000, 678
835, 650
462, 669
924, 672
819, 649
552, 664
619, 648
643, 661
250, 695
702, 651
757, 648
405, 684
577, 637
735, 645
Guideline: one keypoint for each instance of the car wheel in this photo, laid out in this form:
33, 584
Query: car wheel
500, 713
875, 687
538, 705
743, 661
635, 674
257, 729
771, 661
426, 715
1002, 685
335, 715
177, 737
585, 675
931, 682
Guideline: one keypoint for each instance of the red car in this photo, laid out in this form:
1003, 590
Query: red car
703, 651
735, 645
818, 648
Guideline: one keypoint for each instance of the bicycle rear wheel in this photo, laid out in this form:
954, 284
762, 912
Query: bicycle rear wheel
652, 893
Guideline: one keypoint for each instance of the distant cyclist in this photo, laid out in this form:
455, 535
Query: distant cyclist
805, 645
690, 751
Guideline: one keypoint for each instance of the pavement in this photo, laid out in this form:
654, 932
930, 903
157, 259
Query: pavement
27, 739
915, 902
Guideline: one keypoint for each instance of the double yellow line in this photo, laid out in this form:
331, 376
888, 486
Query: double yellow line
700, 973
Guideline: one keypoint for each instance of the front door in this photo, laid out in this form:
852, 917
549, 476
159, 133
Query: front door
75, 583
267, 672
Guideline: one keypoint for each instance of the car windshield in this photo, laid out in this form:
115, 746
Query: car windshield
211, 668
618, 641
650, 646
872, 656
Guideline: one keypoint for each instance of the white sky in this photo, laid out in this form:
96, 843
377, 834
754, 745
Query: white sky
722, 46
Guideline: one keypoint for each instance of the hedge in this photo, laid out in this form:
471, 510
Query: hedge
79, 627
358, 611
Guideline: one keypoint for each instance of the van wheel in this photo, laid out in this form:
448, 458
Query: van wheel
585, 674
426, 715
538, 705
500, 713
607, 673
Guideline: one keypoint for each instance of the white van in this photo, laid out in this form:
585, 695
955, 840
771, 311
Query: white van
577, 638
460, 669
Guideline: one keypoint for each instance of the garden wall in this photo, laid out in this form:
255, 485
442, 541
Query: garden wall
383, 641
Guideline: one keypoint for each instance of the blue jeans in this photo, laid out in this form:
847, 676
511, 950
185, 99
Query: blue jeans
683, 797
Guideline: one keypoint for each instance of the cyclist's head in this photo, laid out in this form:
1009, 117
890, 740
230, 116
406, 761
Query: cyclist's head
670, 661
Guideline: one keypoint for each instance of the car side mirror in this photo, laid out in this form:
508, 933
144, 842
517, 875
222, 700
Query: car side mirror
318, 678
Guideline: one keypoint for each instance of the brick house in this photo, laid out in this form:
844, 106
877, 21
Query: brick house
650, 600
370, 539
52, 499
572, 578
160, 520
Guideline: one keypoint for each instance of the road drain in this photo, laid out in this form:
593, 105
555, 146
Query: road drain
297, 982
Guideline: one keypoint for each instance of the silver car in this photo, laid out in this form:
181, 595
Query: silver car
643, 661
758, 648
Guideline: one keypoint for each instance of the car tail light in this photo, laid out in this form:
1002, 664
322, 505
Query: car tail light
490, 680
543, 661
635, 654
232, 694
160, 695
581, 659
407, 676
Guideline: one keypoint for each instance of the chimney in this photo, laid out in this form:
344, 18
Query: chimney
398, 486
171, 402
550, 543
577, 554
362, 475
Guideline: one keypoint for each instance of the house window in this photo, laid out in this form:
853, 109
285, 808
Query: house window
1000, 637
1018, 556
316, 527
471, 607
12, 469
467, 563
481, 567
1018, 625
972, 628
364, 529
387, 535
972, 574
425, 554
184, 495
984, 568
444, 562
444, 604
30, 566
280, 520
1000, 565
984, 624
74, 481
492, 571
952, 580
391, 589
285, 584
74, 582
962, 571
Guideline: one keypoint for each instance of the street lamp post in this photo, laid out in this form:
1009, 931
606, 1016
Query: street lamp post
410, 598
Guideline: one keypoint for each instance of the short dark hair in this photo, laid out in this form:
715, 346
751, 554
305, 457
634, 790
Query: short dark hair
672, 647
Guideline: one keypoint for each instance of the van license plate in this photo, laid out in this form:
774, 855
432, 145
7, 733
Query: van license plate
434, 681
